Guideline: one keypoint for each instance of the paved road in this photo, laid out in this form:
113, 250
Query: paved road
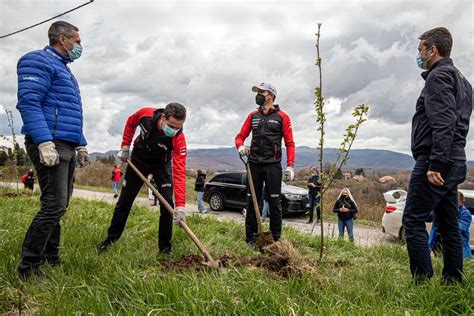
364, 235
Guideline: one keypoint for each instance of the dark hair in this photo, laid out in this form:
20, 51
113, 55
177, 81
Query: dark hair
199, 172
176, 110
60, 28
440, 38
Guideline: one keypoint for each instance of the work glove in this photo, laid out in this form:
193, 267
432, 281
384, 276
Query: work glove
243, 151
179, 215
289, 173
82, 154
124, 153
48, 154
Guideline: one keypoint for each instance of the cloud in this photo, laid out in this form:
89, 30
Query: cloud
207, 55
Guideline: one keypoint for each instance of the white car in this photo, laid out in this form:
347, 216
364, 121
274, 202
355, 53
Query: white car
392, 218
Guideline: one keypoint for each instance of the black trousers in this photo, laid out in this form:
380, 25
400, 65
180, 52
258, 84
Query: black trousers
132, 184
421, 199
43, 236
271, 175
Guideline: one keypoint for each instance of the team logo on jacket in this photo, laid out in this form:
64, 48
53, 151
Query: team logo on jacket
273, 121
182, 151
31, 78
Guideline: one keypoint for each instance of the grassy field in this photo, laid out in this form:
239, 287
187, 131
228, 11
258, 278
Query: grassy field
129, 279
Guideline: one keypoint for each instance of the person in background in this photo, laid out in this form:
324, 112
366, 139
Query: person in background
266, 205
346, 208
465, 220
314, 189
116, 174
28, 180
152, 196
199, 188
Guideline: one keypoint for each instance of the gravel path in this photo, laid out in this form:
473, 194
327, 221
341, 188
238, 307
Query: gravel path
364, 235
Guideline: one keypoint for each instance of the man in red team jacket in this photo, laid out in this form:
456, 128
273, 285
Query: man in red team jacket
268, 125
160, 150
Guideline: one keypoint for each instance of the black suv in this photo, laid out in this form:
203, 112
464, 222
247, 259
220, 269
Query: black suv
228, 189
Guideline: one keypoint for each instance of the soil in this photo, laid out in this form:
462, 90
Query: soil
281, 260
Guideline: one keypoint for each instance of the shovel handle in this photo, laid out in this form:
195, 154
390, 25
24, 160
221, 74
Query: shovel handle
168, 207
254, 196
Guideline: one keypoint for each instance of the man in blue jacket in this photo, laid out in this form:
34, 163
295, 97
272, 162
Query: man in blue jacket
439, 130
51, 109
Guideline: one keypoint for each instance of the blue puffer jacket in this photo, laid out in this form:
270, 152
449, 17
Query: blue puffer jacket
48, 98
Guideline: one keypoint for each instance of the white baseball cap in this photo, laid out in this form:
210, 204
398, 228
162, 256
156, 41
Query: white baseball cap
266, 87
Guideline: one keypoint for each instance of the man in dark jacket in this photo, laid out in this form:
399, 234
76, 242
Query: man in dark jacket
160, 150
268, 125
314, 188
199, 188
439, 130
50, 105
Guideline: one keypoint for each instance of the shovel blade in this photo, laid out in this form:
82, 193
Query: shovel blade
264, 239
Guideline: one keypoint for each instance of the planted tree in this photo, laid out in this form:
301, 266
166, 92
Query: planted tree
360, 115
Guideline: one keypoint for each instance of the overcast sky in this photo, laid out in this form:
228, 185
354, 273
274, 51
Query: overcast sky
208, 54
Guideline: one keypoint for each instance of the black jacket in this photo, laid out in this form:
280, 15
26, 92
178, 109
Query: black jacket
200, 181
347, 203
441, 121
314, 180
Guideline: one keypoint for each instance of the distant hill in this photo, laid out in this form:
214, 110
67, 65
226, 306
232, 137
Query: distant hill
226, 158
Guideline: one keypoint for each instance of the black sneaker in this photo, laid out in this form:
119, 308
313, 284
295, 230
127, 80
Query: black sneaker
104, 246
309, 222
27, 274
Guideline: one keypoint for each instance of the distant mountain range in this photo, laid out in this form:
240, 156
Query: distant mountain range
226, 158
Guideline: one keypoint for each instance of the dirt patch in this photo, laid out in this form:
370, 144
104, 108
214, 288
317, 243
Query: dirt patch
281, 259
12, 195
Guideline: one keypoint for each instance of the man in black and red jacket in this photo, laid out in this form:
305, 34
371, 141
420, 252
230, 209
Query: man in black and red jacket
160, 150
268, 125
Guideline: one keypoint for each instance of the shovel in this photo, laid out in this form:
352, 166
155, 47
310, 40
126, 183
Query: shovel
210, 262
263, 238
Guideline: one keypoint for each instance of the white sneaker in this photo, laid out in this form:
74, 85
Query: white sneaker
203, 212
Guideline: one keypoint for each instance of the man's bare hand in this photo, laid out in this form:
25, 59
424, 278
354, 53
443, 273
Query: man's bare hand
435, 178
344, 209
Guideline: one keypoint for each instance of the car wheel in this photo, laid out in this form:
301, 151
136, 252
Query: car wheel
216, 202
284, 206
401, 235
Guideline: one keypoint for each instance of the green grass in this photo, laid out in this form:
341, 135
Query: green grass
127, 279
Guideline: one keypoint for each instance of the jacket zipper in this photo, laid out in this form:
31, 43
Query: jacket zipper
275, 152
55, 122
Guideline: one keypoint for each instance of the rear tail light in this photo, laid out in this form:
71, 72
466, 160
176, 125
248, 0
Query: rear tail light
389, 209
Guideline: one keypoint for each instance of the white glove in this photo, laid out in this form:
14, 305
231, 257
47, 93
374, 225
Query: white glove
83, 158
48, 154
124, 153
179, 215
243, 151
289, 173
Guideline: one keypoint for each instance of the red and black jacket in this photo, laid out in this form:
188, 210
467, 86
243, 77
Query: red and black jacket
152, 147
267, 131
